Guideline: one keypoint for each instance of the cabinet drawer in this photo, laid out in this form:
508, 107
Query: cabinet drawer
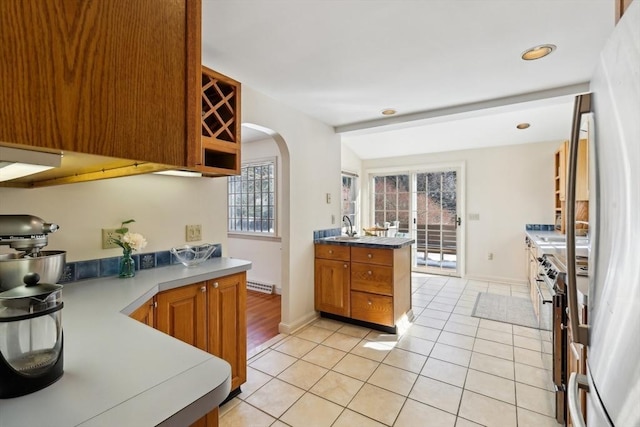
337, 252
372, 278
372, 308
372, 256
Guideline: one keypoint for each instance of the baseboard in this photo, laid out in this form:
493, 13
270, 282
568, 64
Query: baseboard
289, 328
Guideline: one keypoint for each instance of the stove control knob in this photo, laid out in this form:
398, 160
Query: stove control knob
540, 259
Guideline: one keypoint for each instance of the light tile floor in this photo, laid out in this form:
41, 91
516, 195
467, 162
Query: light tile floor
447, 369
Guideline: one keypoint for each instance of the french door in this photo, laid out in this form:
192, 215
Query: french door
425, 206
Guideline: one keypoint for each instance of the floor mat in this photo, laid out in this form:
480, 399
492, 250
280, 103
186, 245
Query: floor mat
505, 308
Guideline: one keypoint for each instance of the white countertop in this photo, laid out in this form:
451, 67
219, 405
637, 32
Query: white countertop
120, 372
554, 243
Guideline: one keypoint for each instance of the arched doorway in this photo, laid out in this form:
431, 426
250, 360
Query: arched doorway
269, 253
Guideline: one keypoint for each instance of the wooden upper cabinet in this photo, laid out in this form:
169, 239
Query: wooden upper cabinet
561, 166
219, 152
112, 78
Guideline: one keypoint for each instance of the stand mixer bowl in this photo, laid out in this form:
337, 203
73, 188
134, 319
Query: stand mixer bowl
15, 266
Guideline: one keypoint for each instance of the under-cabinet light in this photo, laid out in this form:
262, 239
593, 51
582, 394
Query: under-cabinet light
16, 163
173, 172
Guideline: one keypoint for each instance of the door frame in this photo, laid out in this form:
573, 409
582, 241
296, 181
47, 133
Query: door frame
459, 166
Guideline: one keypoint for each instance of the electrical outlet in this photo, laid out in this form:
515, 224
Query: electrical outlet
194, 232
107, 234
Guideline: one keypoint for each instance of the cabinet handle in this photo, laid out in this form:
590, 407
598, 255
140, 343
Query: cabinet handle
369, 272
369, 256
369, 302
203, 289
215, 285
346, 266
330, 251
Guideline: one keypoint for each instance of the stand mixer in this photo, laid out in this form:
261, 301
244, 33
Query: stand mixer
31, 356
28, 234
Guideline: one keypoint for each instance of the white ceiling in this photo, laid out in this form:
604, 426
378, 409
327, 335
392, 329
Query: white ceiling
451, 68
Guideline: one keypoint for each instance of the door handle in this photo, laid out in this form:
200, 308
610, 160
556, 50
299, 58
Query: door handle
576, 380
459, 221
579, 332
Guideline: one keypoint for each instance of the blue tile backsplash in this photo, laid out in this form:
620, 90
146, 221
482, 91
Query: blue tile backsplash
319, 234
104, 267
540, 227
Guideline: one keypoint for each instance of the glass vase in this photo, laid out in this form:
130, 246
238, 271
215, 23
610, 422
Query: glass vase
127, 265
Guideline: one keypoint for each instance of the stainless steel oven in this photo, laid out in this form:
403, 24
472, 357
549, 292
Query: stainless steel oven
544, 293
552, 306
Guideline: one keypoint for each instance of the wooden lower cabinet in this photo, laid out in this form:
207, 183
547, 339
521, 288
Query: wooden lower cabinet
145, 313
209, 420
182, 313
372, 308
209, 315
367, 284
228, 324
332, 286
332, 274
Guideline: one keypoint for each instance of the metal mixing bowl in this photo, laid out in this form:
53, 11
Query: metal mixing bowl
13, 267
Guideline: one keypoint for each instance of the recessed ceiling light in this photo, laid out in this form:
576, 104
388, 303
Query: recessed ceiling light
523, 125
388, 112
538, 52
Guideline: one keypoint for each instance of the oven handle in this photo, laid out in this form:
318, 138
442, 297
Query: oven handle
579, 332
544, 301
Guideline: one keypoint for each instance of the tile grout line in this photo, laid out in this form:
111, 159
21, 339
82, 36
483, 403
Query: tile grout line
460, 291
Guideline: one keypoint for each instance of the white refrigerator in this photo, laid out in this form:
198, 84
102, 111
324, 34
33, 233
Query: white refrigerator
612, 335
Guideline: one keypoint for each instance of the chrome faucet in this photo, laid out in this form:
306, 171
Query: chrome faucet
350, 231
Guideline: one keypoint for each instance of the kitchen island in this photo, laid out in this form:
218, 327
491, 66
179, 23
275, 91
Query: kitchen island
120, 372
364, 280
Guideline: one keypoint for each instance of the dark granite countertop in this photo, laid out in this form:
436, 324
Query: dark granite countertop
367, 241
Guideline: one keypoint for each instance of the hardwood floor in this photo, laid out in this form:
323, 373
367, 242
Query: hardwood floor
263, 318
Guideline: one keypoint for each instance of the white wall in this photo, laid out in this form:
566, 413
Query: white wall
508, 186
161, 205
313, 151
265, 253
